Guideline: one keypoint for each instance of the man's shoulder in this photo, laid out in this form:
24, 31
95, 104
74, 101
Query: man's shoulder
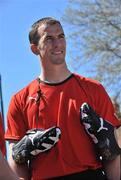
28, 89
87, 80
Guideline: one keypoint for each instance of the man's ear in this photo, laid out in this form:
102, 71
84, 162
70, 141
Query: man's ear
34, 49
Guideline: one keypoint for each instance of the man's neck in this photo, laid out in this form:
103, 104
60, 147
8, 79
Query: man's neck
55, 75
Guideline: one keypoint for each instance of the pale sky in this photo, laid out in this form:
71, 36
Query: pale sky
18, 66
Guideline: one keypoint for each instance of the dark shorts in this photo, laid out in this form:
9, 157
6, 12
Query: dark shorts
86, 175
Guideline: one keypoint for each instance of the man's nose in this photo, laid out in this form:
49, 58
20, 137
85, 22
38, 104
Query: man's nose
56, 42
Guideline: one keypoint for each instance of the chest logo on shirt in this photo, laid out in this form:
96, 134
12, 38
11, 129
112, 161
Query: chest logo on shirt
32, 98
37, 97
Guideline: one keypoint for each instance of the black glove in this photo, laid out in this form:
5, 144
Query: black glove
101, 132
34, 142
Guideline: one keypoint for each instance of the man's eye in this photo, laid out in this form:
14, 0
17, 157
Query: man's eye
62, 36
49, 39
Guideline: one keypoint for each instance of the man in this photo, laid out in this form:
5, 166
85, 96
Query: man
54, 99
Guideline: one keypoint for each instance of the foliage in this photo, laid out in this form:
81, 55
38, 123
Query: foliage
95, 34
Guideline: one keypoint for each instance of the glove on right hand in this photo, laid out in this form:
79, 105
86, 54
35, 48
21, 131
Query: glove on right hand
34, 142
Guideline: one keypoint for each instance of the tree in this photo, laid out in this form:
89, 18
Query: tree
96, 37
117, 107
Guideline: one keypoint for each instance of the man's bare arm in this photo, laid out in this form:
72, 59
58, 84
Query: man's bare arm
113, 168
21, 170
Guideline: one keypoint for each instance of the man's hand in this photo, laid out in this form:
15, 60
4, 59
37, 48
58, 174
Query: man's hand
101, 132
34, 142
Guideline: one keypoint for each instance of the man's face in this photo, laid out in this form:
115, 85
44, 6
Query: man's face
52, 44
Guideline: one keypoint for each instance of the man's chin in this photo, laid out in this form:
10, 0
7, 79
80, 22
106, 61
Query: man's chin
58, 61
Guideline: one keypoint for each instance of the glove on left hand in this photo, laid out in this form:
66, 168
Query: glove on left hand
101, 132
34, 142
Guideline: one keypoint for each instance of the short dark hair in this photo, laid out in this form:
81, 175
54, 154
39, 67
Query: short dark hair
33, 33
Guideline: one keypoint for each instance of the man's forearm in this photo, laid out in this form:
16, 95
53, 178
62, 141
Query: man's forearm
113, 169
21, 170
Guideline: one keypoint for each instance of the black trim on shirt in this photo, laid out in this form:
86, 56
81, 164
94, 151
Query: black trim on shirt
55, 84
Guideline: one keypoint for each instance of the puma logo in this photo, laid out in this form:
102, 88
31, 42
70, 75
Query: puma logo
32, 98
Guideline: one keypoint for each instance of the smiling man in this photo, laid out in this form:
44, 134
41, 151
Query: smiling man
54, 100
